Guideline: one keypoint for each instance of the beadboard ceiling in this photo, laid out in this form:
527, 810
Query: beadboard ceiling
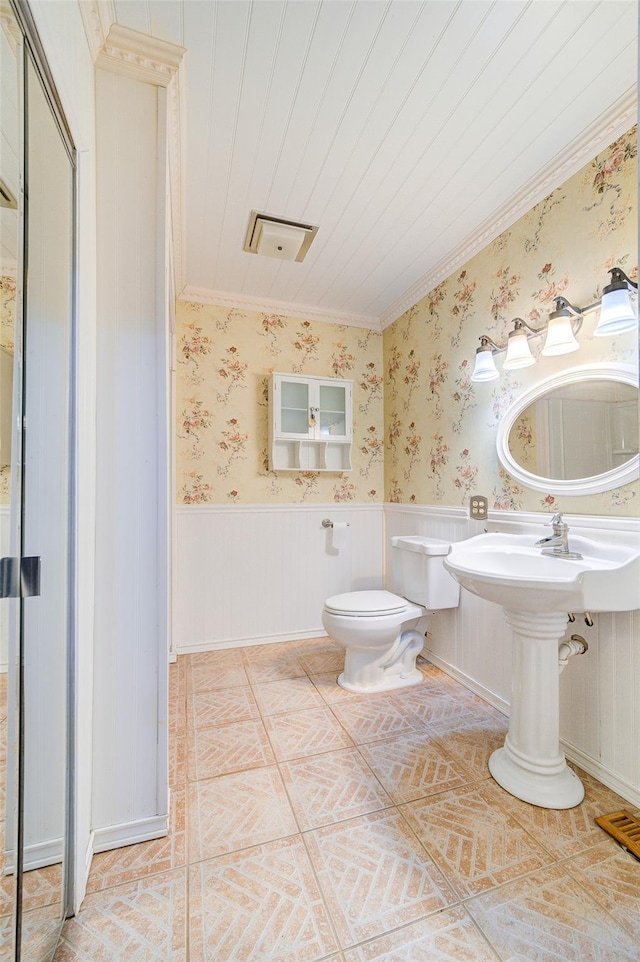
410, 132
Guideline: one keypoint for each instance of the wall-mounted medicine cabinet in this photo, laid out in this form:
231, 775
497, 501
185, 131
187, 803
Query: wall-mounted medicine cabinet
309, 423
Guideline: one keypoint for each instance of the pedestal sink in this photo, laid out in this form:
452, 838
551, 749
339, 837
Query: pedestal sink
537, 591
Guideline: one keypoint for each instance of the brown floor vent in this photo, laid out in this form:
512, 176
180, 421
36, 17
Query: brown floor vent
625, 828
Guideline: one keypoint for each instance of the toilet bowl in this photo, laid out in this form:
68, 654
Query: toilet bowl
377, 628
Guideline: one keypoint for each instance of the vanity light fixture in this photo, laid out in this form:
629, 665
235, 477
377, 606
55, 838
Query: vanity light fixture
485, 369
562, 327
616, 316
563, 324
616, 311
518, 350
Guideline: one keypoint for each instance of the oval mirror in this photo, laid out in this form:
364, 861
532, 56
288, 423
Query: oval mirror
574, 433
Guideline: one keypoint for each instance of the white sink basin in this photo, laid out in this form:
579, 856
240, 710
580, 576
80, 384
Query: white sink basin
509, 570
537, 591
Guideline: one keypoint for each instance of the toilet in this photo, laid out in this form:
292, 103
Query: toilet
378, 628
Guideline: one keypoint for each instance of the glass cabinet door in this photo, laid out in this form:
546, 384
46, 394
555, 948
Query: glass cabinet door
293, 412
332, 418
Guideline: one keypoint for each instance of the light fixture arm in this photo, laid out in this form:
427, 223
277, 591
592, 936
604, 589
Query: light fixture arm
619, 280
519, 324
485, 341
563, 304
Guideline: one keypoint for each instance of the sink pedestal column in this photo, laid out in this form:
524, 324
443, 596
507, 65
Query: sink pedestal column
531, 765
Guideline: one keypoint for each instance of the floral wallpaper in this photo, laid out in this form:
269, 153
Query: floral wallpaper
224, 359
418, 418
440, 428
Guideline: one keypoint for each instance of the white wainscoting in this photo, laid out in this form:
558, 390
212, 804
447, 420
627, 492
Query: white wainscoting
599, 691
260, 573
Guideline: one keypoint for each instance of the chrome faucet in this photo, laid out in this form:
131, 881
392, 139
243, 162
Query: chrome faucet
557, 544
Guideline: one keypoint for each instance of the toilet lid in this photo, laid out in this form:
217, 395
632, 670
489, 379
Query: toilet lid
362, 603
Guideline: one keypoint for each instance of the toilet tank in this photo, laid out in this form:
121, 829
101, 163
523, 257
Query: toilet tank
419, 573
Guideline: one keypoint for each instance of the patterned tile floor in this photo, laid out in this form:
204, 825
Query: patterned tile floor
42, 888
312, 824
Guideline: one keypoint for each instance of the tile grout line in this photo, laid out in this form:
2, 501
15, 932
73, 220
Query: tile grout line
562, 862
390, 808
312, 867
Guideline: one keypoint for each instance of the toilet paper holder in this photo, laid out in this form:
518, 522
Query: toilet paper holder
327, 523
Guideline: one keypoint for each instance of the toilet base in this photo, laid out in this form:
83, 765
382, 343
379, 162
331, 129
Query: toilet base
384, 667
386, 683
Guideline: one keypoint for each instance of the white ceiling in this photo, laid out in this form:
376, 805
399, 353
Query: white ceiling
409, 132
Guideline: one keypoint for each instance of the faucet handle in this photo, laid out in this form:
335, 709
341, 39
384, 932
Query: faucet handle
557, 519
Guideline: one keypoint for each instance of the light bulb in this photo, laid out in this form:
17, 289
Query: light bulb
560, 338
616, 313
518, 351
485, 368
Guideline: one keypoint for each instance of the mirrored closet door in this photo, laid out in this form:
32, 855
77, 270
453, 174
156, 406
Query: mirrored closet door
37, 171
11, 221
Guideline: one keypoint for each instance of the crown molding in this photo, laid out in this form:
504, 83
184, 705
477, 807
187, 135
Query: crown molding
262, 305
125, 51
139, 56
144, 58
596, 138
97, 17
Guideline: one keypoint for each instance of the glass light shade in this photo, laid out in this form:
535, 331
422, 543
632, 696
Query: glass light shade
518, 352
616, 313
560, 338
485, 369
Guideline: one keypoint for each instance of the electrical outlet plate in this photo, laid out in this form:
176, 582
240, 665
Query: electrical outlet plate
478, 507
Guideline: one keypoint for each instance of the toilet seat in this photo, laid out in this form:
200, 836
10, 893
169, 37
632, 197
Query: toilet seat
366, 604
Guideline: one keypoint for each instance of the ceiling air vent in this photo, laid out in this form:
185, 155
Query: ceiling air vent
277, 237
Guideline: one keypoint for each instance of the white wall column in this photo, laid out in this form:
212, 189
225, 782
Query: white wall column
130, 793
